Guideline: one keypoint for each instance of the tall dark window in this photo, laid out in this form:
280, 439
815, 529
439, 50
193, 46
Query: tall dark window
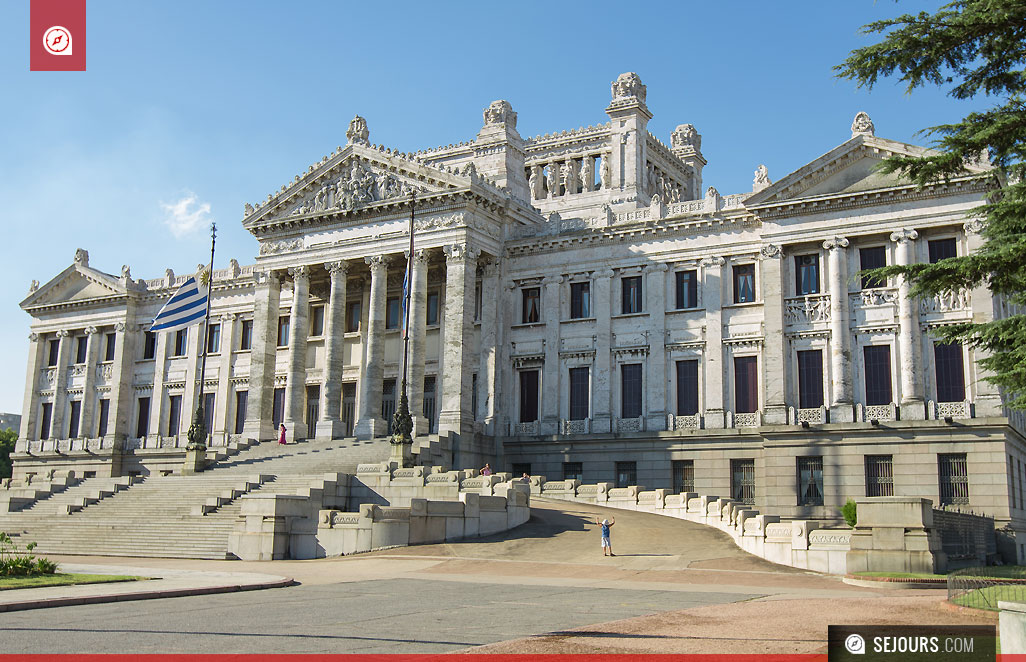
74, 419
578, 394
742, 481
744, 283
942, 249
746, 384
432, 308
810, 481
174, 416
473, 396
388, 400
683, 476
580, 300
806, 272
630, 390
810, 379
478, 298
213, 339
626, 474
573, 471
278, 409
521, 468
181, 342
872, 257
953, 475
209, 400
531, 308
44, 422
313, 404
316, 321
878, 374
104, 415
284, 322
528, 396
687, 289
246, 335
687, 387
429, 403
81, 349
632, 301
241, 401
108, 348
392, 309
150, 345
53, 352
142, 424
353, 313
879, 475
950, 373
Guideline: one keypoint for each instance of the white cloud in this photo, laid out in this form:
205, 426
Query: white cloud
186, 215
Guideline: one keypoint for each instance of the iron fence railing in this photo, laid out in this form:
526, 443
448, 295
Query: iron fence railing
982, 587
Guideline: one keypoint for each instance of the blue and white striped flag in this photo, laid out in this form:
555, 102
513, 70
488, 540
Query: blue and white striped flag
186, 307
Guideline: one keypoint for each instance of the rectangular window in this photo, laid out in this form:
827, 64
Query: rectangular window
746, 384
104, 415
810, 481
687, 387
744, 283
142, 423
44, 422
626, 474
872, 257
429, 403
150, 345
806, 272
687, 289
353, 313
246, 335
108, 349
580, 300
578, 394
283, 330
313, 407
531, 306
74, 418
683, 476
942, 249
181, 342
388, 401
630, 390
316, 321
53, 352
473, 396
432, 308
573, 471
81, 349
278, 409
953, 475
174, 416
392, 313
742, 481
528, 396
478, 298
810, 379
878, 374
950, 372
879, 475
213, 339
209, 402
631, 290
241, 400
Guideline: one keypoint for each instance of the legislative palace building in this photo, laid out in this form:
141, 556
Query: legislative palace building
583, 306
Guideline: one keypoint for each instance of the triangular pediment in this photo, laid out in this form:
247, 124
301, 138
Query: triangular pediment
852, 167
77, 284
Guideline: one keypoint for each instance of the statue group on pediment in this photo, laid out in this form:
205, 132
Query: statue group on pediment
358, 185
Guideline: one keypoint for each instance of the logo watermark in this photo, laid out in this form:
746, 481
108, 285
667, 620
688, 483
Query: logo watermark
57, 40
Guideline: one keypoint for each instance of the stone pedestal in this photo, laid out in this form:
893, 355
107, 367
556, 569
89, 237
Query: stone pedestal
401, 455
895, 534
195, 461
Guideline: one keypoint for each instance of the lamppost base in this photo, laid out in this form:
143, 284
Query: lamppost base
195, 460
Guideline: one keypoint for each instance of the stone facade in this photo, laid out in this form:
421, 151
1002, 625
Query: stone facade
583, 306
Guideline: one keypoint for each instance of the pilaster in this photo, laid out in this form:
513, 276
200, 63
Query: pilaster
774, 407
550, 372
487, 374
30, 408
656, 387
841, 403
295, 387
85, 423
122, 395
460, 269
369, 424
159, 370
260, 401
712, 299
223, 400
909, 360
330, 425
418, 338
602, 415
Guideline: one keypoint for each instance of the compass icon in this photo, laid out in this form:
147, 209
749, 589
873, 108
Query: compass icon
57, 40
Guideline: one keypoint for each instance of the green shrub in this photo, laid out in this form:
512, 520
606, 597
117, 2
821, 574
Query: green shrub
16, 564
848, 510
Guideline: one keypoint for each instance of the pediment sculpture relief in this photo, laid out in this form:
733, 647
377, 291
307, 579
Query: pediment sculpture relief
358, 185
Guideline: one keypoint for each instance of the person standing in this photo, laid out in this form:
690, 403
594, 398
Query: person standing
486, 470
606, 524
281, 434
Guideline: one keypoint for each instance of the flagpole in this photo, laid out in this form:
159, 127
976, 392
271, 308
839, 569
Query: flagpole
402, 421
198, 431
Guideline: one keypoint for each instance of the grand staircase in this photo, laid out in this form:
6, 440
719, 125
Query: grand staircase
182, 516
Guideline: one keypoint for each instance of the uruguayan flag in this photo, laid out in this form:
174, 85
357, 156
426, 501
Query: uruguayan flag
186, 307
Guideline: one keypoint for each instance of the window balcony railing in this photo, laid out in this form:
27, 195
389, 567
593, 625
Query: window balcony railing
579, 426
685, 422
942, 410
744, 419
865, 413
811, 415
630, 424
517, 429
807, 309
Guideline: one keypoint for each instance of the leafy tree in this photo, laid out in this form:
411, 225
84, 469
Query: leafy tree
7, 438
971, 48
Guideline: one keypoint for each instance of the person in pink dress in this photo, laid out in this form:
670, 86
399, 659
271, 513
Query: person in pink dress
281, 435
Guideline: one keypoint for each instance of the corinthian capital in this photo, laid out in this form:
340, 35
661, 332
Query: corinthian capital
301, 272
63, 333
460, 253
340, 268
835, 243
714, 261
90, 330
377, 263
904, 235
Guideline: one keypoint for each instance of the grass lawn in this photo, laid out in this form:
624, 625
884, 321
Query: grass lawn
901, 575
987, 598
60, 579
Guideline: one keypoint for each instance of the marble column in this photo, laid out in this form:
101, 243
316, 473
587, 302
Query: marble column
712, 300
602, 413
656, 387
30, 408
260, 401
773, 404
551, 377
460, 274
330, 425
60, 384
163, 338
224, 425
418, 338
85, 423
193, 379
295, 387
909, 364
487, 374
369, 424
122, 395
841, 403
985, 396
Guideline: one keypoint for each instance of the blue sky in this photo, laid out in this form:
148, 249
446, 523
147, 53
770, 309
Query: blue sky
191, 108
